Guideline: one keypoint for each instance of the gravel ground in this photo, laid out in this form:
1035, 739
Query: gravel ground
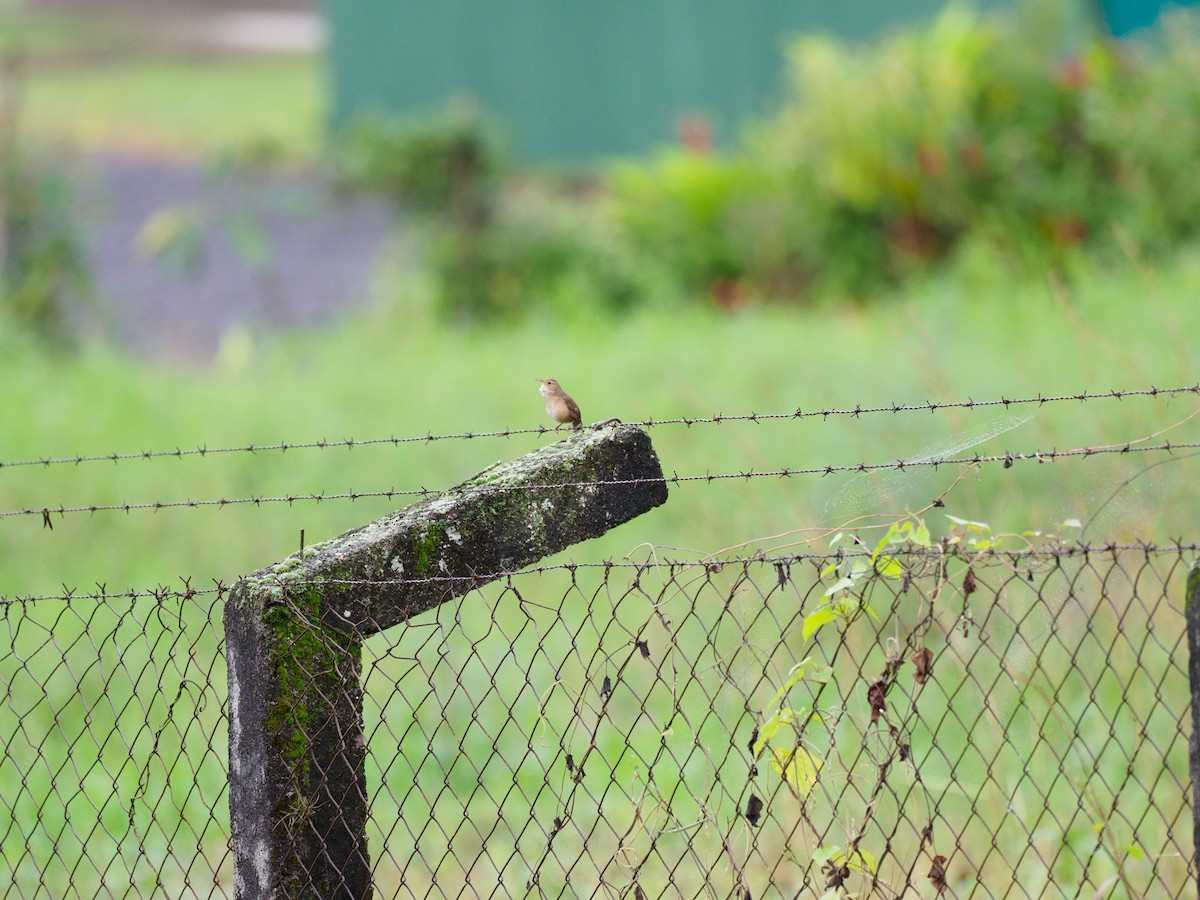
323, 259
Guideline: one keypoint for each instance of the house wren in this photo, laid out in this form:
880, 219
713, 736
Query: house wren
559, 406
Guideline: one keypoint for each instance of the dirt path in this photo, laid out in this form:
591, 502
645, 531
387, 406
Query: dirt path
323, 259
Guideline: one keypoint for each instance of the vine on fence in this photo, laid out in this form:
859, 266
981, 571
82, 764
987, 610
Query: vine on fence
907, 554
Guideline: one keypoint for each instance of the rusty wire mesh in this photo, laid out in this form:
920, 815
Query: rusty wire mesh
987, 726
113, 760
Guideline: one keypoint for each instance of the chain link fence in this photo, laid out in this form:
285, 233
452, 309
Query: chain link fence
923, 723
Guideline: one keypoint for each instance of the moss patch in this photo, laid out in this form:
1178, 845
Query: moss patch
305, 658
425, 546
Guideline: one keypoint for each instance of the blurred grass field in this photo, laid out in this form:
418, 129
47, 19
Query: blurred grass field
96, 83
130, 664
387, 375
139, 687
178, 109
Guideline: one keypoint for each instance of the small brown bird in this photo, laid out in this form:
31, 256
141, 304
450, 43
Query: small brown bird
559, 405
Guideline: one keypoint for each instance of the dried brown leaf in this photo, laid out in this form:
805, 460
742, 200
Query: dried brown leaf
937, 873
754, 808
923, 660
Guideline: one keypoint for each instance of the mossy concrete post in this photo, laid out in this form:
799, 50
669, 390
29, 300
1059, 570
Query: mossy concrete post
294, 632
1191, 613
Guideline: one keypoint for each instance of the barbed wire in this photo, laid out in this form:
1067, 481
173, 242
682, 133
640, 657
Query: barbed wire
1007, 459
1052, 550
715, 419
102, 593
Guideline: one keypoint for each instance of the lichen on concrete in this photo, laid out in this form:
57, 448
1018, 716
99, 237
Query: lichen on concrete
509, 516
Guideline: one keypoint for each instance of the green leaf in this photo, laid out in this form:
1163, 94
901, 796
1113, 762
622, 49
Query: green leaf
822, 854
785, 715
162, 230
822, 675
861, 860
840, 585
887, 540
795, 674
769, 728
816, 620
173, 235
797, 767
889, 567
969, 525
249, 240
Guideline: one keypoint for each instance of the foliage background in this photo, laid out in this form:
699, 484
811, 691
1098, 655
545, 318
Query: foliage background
971, 210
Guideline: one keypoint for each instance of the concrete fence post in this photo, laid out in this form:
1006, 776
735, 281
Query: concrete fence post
294, 632
1191, 611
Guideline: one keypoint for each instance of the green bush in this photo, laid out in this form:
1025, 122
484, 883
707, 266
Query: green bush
1144, 113
974, 145
44, 274
971, 136
691, 214
440, 166
498, 245
899, 152
547, 249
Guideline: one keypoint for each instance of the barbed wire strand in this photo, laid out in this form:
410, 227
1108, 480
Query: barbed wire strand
1007, 459
713, 563
715, 419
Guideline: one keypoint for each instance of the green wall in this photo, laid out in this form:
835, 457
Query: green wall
575, 80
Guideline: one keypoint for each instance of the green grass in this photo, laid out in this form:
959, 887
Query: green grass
112, 723
179, 107
41, 35
1042, 737
94, 83
1065, 745
386, 374
147, 671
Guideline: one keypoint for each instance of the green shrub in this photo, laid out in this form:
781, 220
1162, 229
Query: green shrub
45, 276
439, 166
498, 245
1143, 111
972, 136
545, 248
694, 215
44, 272
1002, 146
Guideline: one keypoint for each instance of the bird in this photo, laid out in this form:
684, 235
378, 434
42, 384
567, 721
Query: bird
559, 405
